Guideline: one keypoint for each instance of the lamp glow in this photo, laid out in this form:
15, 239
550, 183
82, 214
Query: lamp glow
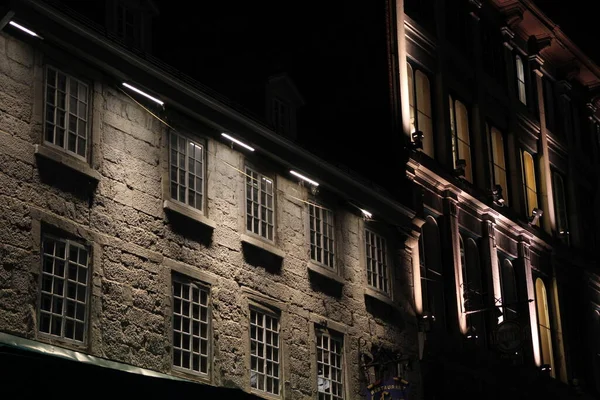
21, 27
366, 213
304, 178
234, 140
128, 86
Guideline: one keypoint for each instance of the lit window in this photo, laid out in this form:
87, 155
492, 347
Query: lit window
498, 161
64, 289
330, 367
531, 199
259, 204
544, 325
509, 290
190, 326
560, 207
431, 269
280, 115
420, 94
377, 266
265, 352
521, 80
461, 143
321, 235
187, 171
66, 115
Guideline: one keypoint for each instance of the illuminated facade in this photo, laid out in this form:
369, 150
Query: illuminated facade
500, 108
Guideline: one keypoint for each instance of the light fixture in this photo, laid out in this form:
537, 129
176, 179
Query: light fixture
546, 368
497, 196
472, 333
234, 140
366, 214
425, 321
417, 139
459, 170
21, 27
128, 86
535, 216
304, 178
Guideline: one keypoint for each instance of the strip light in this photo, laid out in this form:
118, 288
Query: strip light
366, 213
21, 27
128, 86
234, 140
304, 178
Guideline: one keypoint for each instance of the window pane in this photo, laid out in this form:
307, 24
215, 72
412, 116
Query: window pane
530, 182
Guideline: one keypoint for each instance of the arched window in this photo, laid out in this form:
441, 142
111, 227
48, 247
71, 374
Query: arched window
521, 80
544, 325
431, 270
419, 94
509, 290
529, 182
497, 160
461, 143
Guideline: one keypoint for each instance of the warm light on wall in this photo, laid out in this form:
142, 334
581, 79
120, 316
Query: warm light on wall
234, 140
128, 86
21, 27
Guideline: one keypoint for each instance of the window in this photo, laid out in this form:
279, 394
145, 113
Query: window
66, 112
421, 116
472, 286
509, 289
190, 326
321, 235
265, 355
280, 113
64, 289
126, 24
522, 92
544, 325
330, 367
549, 105
186, 171
497, 160
531, 199
431, 268
560, 207
461, 144
377, 266
259, 204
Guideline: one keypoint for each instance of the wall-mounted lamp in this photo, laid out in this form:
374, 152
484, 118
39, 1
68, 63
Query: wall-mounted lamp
154, 99
366, 215
497, 197
426, 320
459, 170
472, 333
234, 140
314, 186
535, 216
546, 368
22, 28
417, 140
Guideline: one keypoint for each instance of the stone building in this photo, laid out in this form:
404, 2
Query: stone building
149, 226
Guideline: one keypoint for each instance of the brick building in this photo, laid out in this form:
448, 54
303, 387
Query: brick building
136, 236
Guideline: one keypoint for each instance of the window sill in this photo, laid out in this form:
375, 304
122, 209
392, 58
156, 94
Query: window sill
264, 395
188, 212
184, 374
66, 160
261, 244
380, 296
325, 272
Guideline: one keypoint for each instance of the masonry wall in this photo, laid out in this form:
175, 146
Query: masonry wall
135, 242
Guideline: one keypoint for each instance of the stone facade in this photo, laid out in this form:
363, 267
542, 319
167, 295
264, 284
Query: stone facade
115, 206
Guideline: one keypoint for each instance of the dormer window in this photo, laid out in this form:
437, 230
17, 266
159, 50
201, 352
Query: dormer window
280, 116
131, 21
126, 23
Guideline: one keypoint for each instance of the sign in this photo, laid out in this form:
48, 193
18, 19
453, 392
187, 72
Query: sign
509, 336
389, 389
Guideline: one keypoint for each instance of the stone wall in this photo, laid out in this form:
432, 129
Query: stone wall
133, 236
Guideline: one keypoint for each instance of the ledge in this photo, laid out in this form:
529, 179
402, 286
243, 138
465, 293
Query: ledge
380, 296
63, 158
261, 244
188, 212
325, 272
192, 272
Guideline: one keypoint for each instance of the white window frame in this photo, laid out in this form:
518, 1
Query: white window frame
79, 302
202, 288
257, 217
321, 229
198, 190
322, 363
383, 268
276, 378
69, 117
